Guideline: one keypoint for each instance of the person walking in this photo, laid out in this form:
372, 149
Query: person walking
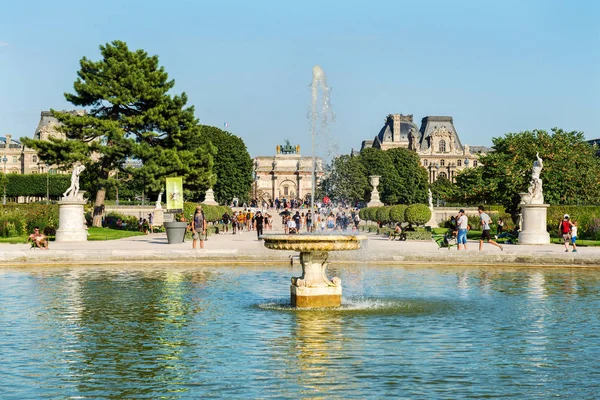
485, 222
198, 227
462, 222
225, 219
258, 224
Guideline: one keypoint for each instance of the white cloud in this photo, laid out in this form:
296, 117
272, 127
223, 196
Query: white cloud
3, 43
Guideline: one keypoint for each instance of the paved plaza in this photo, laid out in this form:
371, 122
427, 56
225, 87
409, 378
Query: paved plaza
244, 248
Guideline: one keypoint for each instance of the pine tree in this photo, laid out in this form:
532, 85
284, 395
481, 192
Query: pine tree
130, 114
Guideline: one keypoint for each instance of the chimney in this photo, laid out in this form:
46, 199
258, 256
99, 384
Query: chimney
8, 137
396, 127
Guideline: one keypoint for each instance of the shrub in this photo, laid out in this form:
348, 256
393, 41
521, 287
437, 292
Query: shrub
418, 235
417, 214
397, 213
20, 219
383, 214
372, 213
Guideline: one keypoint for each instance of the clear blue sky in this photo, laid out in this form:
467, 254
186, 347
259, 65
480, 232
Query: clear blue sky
496, 67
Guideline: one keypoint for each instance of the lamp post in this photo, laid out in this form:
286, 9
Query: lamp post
437, 169
4, 160
47, 183
117, 189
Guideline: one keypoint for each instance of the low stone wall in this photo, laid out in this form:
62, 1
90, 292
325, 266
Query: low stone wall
139, 212
442, 214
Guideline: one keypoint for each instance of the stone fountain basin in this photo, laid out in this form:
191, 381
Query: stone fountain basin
308, 243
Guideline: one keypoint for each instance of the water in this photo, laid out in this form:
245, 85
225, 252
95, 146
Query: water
201, 332
320, 115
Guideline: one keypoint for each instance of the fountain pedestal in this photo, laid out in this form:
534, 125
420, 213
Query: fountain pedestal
313, 289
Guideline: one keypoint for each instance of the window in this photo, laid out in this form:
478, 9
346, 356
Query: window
425, 162
459, 163
474, 163
285, 191
14, 159
442, 163
442, 147
442, 175
34, 158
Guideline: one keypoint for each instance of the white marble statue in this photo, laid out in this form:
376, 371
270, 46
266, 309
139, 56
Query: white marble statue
158, 205
430, 198
535, 193
72, 191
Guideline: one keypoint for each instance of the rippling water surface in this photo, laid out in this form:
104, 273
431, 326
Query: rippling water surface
197, 332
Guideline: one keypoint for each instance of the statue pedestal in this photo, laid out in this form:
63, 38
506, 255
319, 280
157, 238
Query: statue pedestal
209, 198
71, 221
533, 230
375, 202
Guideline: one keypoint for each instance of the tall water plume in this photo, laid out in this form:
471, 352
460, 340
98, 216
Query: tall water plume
320, 115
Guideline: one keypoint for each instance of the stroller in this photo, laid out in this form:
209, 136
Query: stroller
447, 240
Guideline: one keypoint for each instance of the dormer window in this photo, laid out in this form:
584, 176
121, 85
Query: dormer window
442, 147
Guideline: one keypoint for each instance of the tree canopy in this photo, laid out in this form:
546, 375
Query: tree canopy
130, 114
571, 172
402, 178
232, 165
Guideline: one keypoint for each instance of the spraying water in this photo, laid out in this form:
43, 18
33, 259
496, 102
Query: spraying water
320, 115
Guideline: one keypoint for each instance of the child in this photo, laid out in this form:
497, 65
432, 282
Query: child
574, 236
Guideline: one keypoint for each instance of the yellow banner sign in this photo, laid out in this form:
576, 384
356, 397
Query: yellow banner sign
175, 193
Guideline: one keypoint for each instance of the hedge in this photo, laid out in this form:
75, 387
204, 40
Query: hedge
587, 217
211, 213
34, 185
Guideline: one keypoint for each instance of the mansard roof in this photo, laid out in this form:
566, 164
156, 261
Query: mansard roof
387, 134
431, 124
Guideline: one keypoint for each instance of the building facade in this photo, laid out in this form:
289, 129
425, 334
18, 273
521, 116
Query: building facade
436, 142
16, 158
286, 175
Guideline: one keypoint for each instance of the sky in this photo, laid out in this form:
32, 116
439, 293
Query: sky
495, 67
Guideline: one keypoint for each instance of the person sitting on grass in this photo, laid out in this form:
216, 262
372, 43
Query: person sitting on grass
39, 239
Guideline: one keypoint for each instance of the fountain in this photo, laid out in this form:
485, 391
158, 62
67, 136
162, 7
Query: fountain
314, 289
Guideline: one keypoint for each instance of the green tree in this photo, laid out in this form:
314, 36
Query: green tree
130, 114
383, 214
377, 162
347, 181
571, 172
443, 189
413, 178
417, 214
397, 213
232, 165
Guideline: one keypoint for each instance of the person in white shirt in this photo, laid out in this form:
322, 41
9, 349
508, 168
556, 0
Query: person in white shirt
574, 236
485, 229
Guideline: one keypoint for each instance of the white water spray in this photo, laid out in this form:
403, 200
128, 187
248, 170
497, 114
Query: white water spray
320, 115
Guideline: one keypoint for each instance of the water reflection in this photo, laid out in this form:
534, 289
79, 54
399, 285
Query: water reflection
186, 332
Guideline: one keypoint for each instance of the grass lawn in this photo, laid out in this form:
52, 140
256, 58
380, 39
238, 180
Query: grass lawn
110, 234
95, 234
14, 239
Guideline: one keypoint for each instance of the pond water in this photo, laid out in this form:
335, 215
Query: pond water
201, 332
